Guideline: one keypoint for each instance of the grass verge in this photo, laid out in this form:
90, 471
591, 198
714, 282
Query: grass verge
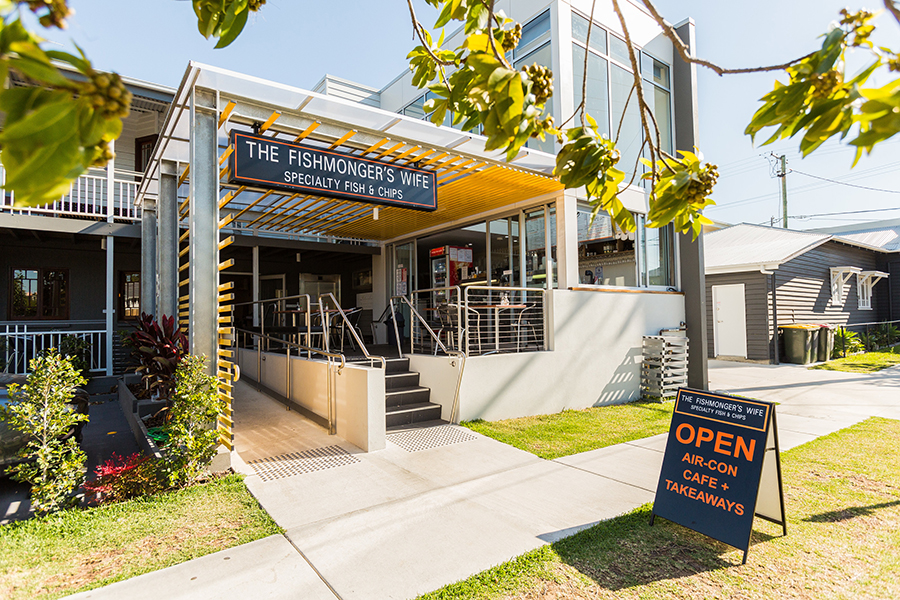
573, 431
843, 508
78, 550
867, 362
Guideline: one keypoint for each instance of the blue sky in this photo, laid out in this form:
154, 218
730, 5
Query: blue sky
298, 41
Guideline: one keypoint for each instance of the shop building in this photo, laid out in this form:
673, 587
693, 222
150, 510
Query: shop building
507, 299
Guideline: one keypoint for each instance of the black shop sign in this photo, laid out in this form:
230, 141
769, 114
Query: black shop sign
263, 162
721, 467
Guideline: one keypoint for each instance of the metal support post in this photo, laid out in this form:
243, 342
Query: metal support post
167, 246
110, 298
204, 227
148, 257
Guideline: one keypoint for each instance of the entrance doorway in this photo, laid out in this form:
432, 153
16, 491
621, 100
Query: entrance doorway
730, 326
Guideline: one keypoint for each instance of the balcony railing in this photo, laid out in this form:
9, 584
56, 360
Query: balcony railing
88, 197
19, 345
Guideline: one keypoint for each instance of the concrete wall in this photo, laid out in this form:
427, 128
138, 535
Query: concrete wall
359, 393
596, 358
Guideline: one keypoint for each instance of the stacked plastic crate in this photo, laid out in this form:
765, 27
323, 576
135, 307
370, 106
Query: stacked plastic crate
664, 368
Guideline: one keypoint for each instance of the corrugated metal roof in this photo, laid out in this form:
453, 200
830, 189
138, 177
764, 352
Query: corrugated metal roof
888, 238
883, 234
743, 247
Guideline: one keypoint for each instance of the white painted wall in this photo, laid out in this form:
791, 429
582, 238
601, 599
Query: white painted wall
359, 392
595, 361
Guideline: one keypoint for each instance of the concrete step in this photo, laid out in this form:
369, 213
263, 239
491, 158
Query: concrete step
396, 381
407, 414
396, 365
403, 396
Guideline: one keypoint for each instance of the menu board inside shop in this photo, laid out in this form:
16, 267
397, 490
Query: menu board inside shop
268, 163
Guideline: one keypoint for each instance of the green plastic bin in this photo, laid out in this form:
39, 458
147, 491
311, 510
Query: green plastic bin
801, 343
826, 342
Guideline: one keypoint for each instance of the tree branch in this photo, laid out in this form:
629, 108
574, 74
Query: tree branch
497, 55
419, 29
893, 9
638, 88
686, 56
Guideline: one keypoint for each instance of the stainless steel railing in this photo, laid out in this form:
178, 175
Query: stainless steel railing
331, 370
345, 323
461, 356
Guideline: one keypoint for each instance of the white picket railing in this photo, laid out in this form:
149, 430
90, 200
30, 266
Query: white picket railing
19, 345
87, 197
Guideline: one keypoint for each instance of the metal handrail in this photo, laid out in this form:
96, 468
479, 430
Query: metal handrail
262, 321
352, 329
330, 399
454, 409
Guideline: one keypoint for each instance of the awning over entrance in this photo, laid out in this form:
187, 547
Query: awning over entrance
470, 181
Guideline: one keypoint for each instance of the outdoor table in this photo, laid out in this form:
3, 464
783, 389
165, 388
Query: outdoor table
497, 308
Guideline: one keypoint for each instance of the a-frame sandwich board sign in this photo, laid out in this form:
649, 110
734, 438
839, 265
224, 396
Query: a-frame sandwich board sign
722, 466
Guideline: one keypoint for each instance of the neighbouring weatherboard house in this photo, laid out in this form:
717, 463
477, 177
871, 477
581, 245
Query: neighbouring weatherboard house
760, 278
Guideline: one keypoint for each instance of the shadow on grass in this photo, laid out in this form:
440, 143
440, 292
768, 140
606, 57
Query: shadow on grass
851, 512
625, 552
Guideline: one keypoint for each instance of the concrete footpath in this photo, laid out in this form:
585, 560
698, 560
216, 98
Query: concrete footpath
442, 504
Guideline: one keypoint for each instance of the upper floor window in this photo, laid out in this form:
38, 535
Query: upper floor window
609, 96
39, 294
534, 33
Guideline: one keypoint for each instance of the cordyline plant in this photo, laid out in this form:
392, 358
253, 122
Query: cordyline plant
159, 346
54, 463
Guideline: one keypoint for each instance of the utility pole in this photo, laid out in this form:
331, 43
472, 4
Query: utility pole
783, 175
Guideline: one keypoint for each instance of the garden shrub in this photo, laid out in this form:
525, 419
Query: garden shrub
79, 350
192, 421
159, 347
122, 478
54, 466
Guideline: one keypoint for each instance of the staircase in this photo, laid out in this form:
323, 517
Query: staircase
406, 402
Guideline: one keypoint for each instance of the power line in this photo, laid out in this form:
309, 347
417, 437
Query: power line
862, 187
848, 212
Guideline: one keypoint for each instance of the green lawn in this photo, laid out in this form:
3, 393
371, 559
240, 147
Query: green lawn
843, 509
867, 362
82, 549
573, 431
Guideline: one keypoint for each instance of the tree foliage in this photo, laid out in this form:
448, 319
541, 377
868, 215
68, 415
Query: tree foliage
54, 463
60, 127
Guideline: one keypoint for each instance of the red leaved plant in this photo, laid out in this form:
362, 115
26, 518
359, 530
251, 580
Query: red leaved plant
122, 478
159, 346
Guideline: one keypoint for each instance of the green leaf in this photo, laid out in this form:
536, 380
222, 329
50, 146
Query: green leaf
233, 30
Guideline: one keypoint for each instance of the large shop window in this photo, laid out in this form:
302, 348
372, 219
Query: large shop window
607, 255
492, 253
39, 294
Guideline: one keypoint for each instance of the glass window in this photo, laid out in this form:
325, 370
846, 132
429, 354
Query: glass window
619, 50
597, 103
606, 254
40, 294
505, 252
25, 294
533, 31
130, 294
625, 110
657, 255
416, 109
658, 100
580, 31
535, 242
542, 57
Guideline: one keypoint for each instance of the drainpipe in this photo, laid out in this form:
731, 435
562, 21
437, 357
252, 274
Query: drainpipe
110, 260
